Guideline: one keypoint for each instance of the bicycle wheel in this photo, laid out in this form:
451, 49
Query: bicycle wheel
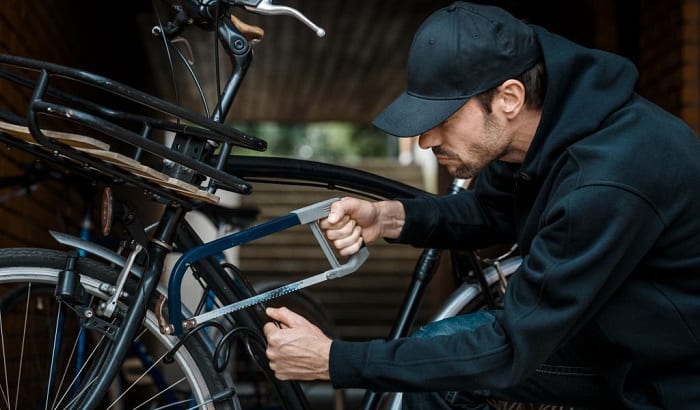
320, 394
469, 297
465, 299
46, 352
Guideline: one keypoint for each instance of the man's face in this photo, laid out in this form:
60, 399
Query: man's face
467, 141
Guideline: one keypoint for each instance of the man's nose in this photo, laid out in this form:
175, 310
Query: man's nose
427, 140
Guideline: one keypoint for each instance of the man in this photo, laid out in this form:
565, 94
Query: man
600, 189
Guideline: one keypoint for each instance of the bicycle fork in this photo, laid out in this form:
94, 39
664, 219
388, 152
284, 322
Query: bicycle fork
102, 374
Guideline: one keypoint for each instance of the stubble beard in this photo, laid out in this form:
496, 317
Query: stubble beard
484, 154
466, 171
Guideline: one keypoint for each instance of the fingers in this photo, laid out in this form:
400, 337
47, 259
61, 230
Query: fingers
347, 239
297, 351
281, 315
275, 313
286, 317
345, 224
342, 227
346, 227
350, 244
269, 329
339, 209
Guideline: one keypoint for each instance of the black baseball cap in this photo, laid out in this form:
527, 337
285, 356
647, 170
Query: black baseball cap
459, 51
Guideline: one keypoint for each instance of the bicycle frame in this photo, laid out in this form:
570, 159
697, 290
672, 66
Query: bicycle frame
329, 176
172, 217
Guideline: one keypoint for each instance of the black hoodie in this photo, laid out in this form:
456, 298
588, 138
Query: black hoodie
606, 211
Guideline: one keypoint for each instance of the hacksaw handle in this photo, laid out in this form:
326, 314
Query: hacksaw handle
310, 215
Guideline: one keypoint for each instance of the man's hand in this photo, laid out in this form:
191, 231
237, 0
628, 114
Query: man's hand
353, 221
297, 351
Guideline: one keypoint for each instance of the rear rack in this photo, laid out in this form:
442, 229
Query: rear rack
129, 134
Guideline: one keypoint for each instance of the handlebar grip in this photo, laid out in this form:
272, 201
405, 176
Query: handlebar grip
253, 34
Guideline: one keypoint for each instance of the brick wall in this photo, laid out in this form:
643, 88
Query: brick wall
669, 64
45, 31
690, 60
98, 37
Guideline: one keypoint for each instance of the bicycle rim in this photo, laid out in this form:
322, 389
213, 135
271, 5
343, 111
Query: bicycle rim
46, 353
468, 298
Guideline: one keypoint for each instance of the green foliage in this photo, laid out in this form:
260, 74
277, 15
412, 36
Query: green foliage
325, 141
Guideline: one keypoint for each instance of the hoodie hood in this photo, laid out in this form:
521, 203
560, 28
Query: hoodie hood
584, 86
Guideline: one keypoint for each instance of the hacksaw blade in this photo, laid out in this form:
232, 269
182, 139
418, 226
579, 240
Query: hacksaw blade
353, 263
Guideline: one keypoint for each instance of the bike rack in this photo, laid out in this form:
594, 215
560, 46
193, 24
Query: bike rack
130, 129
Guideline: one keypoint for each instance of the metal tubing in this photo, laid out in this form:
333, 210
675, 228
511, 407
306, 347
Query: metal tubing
134, 95
107, 371
126, 333
229, 289
211, 248
423, 273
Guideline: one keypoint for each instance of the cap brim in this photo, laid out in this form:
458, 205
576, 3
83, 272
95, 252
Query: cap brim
409, 116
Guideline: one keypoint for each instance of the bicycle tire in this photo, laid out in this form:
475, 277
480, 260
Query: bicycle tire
258, 387
320, 393
467, 298
321, 175
292, 171
21, 270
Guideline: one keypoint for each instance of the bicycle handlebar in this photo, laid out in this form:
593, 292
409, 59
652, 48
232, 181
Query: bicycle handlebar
266, 7
204, 14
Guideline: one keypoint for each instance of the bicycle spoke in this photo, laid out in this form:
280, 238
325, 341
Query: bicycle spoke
81, 333
24, 338
140, 335
6, 391
80, 393
172, 386
65, 370
179, 403
138, 379
53, 355
72, 372
77, 376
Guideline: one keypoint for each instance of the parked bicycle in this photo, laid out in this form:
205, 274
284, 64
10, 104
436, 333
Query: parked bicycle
76, 318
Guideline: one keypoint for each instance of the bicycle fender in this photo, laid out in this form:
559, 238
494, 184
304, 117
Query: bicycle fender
93, 249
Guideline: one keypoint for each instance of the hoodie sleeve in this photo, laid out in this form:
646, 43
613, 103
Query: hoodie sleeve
589, 242
471, 219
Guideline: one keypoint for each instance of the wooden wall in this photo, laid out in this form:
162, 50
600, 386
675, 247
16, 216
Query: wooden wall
669, 57
97, 37
51, 33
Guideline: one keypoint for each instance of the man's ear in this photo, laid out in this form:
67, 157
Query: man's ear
511, 97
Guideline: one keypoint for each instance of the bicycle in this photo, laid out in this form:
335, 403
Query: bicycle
471, 273
122, 301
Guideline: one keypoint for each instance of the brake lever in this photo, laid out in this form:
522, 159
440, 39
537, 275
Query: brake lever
267, 8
